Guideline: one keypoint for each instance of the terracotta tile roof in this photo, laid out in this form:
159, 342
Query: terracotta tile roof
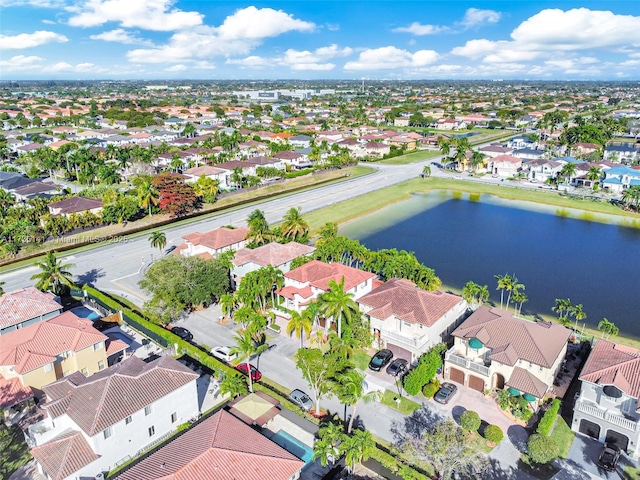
535, 342
505, 159
318, 274
109, 396
526, 382
612, 364
64, 455
220, 447
291, 291
12, 391
36, 345
273, 253
205, 170
75, 204
406, 301
287, 155
219, 238
24, 304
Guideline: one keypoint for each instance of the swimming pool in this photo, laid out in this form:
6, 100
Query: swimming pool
84, 312
293, 445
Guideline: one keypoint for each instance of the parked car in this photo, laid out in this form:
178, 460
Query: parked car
170, 249
255, 373
608, 458
301, 399
397, 367
446, 392
224, 353
183, 333
380, 359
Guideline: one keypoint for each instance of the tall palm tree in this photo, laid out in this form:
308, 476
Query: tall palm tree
300, 324
349, 389
148, 196
568, 171
594, 175
246, 347
578, 313
53, 274
293, 225
158, 240
234, 385
358, 447
426, 171
511, 286
562, 308
337, 304
502, 284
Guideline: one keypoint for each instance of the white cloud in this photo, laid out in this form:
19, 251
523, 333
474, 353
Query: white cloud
78, 68
298, 60
474, 17
251, 61
21, 63
390, 58
238, 35
48, 22
176, 68
419, 29
120, 35
148, 14
33, 3
30, 40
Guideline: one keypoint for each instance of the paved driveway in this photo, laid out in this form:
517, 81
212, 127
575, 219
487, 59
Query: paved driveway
583, 458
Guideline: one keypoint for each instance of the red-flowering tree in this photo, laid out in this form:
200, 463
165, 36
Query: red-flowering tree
177, 198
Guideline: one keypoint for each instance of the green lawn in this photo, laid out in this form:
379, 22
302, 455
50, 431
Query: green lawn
631, 473
563, 436
361, 359
411, 157
14, 452
406, 406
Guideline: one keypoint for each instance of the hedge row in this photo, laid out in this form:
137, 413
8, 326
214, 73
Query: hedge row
549, 418
134, 319
397, 466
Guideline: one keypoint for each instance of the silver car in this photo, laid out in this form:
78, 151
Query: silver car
301, 399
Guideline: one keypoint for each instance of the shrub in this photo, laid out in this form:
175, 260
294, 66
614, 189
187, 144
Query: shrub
426, 369
549, 418
470, 421
493, 434
542, 449
430, 389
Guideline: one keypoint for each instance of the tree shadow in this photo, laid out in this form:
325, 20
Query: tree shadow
497, 471
90, 277
415, 425
518, 437
457, 412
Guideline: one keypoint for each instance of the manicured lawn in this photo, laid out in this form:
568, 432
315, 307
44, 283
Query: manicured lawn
406, 406
563, 436
479, 443
631, 473
361, 359
14, 452
411, 157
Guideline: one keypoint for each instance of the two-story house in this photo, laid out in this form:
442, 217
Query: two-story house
504, 165
607, 406
305, 283
541, 170
493, 349
26, 306
618, 179
273, 254
213, 242
409, 320
43, 352
96, 423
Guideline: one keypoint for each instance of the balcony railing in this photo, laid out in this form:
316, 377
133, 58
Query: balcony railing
606, 415
466, 363
407, 340
36, 434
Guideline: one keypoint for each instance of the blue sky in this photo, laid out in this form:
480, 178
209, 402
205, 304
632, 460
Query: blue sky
331, 39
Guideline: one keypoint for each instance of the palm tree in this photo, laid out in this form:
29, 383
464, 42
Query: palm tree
325, 451
246, 347
502, 285
477, 159
234, 385
562, 308
228, 303
426, 171
337, 304
158, 240
53, 274
1, 289
511, 286
293, 226
300, 324
358, 447
578, 313
608, 328
518, 299
594, 175
350, 390
445, 146
148, 196
568, 171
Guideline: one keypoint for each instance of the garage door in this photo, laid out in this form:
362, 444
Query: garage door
456, 375
476, 383
618, 439
589, 428
399, 352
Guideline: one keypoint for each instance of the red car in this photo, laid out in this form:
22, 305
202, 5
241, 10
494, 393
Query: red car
255, 373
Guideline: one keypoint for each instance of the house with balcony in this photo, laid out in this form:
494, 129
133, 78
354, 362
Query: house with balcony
110, 417
305, 283
277, 255
541, 170
492, 349
44, 352
607, 406
26, 306
409, 320
504, 165
212, 243
618, 179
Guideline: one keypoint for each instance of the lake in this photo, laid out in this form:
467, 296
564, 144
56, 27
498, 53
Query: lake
474, 237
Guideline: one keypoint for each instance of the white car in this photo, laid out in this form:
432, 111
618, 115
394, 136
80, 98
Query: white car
224, 354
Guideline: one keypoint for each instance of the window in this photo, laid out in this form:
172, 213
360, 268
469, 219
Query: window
47, 368
148, 410
101, 365
128, 420
97, 346
174, 417
67, 354
85, 372
152, 431
107, 432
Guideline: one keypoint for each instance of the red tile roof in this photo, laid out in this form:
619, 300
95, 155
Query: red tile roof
408, 302
612, 364
318, 274
219, 238
109, 396
273, 253
513, 338
221, 447
64, 455
36, 345
526, 382
12, 391
76, 204
24, 304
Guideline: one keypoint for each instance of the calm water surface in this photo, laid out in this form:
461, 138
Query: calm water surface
474, 238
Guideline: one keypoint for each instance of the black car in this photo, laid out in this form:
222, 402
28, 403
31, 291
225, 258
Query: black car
608, 458
380, 359
397, 367
183, 333
170, 249
447, 390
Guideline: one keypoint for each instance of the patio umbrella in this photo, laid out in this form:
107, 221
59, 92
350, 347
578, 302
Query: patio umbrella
475, 343
529, 398
514, 391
